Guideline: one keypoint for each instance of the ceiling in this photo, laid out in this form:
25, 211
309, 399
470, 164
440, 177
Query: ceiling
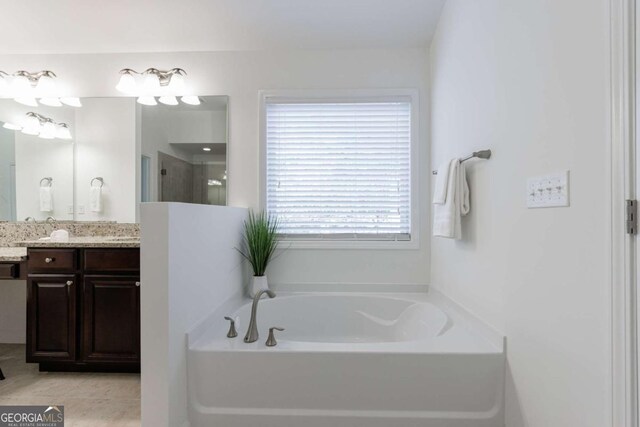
195, 148
81, 26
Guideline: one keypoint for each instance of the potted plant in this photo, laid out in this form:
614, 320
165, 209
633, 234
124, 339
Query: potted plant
259, 243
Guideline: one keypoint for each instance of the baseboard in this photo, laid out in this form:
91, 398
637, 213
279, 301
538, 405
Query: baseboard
13, 336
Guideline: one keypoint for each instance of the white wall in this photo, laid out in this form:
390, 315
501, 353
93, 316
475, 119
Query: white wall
105, 136
189, 267
529, 80
241, 75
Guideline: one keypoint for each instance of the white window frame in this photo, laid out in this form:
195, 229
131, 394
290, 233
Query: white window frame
368, 95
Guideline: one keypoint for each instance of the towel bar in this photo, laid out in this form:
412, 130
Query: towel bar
97, 178
482, 154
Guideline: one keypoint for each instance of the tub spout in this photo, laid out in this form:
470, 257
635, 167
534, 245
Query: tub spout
252, 332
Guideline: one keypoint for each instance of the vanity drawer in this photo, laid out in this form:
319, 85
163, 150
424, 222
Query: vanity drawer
51, 260
9, 271
109, 260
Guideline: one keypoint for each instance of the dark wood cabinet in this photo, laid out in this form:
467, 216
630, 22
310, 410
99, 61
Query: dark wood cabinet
111, 319
51, 319
83, 309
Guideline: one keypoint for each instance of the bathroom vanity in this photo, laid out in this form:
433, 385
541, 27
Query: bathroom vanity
83, 305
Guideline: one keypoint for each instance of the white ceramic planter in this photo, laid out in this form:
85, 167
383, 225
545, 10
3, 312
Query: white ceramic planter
257, 284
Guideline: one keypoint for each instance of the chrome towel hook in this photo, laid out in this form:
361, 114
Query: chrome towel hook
48, 180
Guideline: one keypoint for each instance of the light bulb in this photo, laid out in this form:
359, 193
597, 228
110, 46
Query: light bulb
63, 131
31, 129
48, 130
11, 126
31, 122
71, 101
168, 100
151, 83
176, 84
147, 100
31, 125
46, 85
127, 83
206, 149
191, 100
20, 84
51, 102
26, 100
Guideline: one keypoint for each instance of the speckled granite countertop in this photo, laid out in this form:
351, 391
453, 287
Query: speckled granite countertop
83, 242
13, 254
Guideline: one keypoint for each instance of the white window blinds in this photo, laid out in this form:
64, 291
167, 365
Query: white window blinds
340, 169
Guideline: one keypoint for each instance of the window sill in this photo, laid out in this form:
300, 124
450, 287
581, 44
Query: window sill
349, 244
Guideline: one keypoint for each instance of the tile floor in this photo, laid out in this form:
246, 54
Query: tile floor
89, 399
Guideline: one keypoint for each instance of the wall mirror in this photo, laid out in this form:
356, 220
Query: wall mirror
54, 159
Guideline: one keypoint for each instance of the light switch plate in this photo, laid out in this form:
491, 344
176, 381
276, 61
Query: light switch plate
549, 191
81, 209
70, 209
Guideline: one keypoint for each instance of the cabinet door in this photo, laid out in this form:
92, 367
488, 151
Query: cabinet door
51, 318
111, 319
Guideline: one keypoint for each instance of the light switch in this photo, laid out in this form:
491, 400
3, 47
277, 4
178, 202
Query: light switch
70, 209
81, 209
548, 191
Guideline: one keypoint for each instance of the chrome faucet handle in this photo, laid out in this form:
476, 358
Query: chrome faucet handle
271, 341
232, 328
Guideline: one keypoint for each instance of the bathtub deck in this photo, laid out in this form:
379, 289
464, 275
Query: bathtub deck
459, 337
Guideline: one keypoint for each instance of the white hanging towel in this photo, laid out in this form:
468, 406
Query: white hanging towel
95, 199
447, 215
440, 190
46, 199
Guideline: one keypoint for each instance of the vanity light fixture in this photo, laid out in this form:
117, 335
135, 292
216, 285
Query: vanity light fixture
168, 100
25, 87
44, 127
51, 102
147, 100
11, 126
191, 100
152, 82
63, 131
71, 101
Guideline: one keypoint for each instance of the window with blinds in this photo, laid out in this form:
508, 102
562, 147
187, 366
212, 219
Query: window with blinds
339, 170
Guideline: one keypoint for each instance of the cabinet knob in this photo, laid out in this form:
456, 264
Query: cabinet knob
69, 283
49, 260
138, 284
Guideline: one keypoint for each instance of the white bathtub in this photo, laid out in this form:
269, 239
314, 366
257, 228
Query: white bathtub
346, 360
